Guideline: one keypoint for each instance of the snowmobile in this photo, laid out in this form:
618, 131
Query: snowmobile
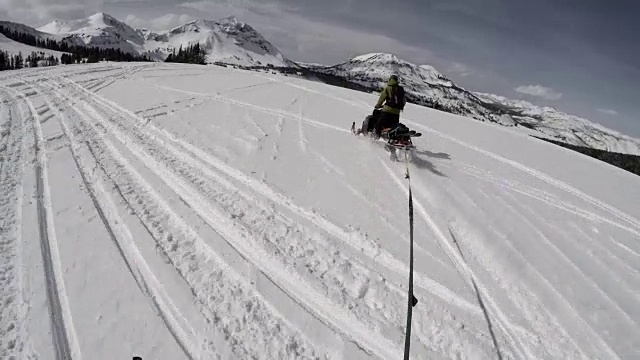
398, 137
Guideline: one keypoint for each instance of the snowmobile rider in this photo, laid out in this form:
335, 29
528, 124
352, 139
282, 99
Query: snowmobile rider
393, 95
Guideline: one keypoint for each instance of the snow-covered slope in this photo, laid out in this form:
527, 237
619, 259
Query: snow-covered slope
554, 124
424, 83
174, 211
227, 40
98, 30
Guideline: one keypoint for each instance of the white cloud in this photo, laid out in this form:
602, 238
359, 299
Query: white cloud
166, 22
459, 69
317, 42
539, 91
38, 11
257, 7
198, 5
608, 112
303, 38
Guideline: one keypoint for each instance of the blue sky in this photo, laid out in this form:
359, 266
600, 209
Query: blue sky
578, 56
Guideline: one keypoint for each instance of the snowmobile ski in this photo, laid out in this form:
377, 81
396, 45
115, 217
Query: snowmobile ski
401, 146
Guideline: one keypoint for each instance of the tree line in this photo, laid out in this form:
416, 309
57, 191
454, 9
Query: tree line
628, 162
10, 62
74, 53
193, 54
18, 61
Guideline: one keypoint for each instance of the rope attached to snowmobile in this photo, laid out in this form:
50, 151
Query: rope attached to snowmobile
412, 301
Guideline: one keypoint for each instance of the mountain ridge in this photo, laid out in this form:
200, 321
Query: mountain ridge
226, 40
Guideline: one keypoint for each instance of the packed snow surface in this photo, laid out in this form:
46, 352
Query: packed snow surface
175, 211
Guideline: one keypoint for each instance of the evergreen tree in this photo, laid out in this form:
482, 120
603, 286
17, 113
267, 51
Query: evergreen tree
193, 54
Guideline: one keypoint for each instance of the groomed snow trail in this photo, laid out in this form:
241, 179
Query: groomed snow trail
186, 212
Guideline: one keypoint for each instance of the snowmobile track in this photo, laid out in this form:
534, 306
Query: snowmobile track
635, 223
196, 227
516, 344
64, 337
134, 263
546, 198
135, 119
378, 256
304, 295
11, 192
198, 261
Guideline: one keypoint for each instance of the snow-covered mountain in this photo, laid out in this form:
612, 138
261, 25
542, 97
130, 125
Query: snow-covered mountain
425, 85
227, 40
98, 30
555, 124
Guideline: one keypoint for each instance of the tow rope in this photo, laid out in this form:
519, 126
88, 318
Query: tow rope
412, 301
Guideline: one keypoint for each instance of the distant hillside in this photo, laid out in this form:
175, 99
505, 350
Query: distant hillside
628, 162
13, 47
428, 87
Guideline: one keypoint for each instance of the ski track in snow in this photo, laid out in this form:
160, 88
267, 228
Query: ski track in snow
340, 325
64, 336
540, 175
135, 263
465, 271
522, 297
189, 275
270, 278
635, 223
546, 198
15, 342
398, 293
530, 302
384, 258
621, 317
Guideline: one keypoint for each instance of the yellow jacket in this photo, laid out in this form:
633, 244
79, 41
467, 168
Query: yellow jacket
387, 93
